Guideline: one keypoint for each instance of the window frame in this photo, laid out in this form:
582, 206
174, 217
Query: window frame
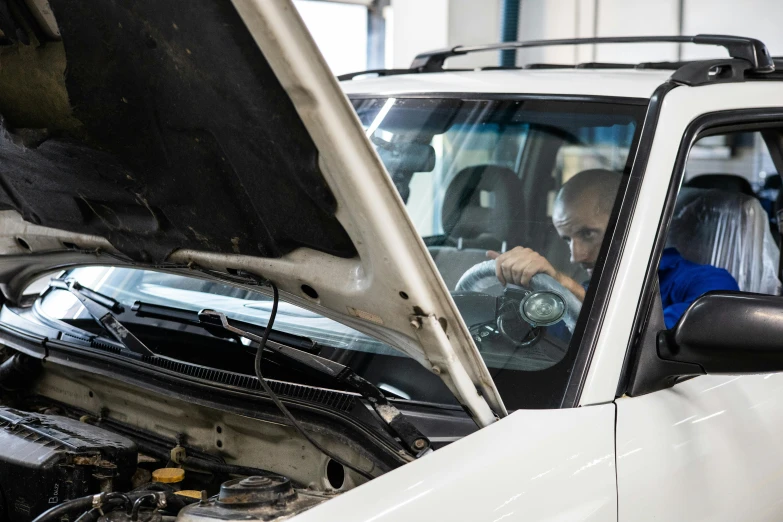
737, 120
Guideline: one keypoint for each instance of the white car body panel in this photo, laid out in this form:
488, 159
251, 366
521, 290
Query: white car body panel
706, 449
680, 107
532, 465
585, 82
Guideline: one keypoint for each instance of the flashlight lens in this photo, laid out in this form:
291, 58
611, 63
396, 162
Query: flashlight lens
543, 308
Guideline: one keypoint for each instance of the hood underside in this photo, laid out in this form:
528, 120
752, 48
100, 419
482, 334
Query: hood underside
149, 127
212, 134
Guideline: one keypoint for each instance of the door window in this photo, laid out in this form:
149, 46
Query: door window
723, 234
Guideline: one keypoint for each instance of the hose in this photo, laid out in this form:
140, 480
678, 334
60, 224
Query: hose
229, 469
111, 501
198, 464
95, 513
139, 501
17, 371
174, 502
279, 403
78, 505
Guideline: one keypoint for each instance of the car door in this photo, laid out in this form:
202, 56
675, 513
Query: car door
706, 448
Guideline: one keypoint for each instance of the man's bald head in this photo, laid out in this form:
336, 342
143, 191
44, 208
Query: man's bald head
595, 185
581, 213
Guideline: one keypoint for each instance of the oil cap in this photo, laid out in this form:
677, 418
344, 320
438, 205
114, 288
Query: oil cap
255, 491
168, 475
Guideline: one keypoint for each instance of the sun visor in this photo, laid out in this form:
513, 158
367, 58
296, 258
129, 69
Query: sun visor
160, 126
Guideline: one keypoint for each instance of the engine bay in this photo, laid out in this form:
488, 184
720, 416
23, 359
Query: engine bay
75, 445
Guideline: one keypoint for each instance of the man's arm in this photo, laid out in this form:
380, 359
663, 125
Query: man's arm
519, 264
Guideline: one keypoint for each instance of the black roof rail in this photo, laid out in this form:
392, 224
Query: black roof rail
379, 72
748, 49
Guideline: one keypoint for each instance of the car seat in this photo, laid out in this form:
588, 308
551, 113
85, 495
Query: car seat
726, 182
481, 211
728, 230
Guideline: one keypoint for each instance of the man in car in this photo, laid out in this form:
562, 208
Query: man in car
581, 215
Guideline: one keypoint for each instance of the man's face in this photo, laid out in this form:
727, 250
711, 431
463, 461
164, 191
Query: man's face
582, 224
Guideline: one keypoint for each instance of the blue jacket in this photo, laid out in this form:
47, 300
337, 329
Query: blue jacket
682, 282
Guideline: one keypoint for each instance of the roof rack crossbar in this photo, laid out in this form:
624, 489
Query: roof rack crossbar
748, 49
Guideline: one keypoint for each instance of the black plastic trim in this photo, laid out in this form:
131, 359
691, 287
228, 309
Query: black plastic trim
24, 342
379, 72
504, 96
708, 72
611, 253
749, 118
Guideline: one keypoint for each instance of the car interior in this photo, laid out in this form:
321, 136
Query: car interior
722, 220
480, 212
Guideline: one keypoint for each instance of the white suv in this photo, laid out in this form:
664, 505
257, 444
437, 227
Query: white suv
230, 291
479, 156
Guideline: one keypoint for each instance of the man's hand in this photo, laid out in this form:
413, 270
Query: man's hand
520, 264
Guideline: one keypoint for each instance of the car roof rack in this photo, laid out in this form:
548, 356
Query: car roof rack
748, 49
748, 58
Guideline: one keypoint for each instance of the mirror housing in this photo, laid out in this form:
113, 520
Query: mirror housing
720, 333
728, 333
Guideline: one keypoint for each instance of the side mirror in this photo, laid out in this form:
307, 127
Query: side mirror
728, 332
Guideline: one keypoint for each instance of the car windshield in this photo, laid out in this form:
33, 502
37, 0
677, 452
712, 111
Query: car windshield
532, 180
476, 176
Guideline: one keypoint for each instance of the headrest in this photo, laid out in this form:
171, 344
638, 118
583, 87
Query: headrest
729, 230
483, 200
727, 182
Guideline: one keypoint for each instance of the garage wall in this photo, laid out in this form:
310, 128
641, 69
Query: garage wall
756, 18
421, 25
584, 18
418, 26
424, 25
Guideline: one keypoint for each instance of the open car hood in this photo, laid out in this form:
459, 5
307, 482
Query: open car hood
212, 135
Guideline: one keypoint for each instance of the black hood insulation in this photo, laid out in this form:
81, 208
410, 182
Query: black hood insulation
179, 136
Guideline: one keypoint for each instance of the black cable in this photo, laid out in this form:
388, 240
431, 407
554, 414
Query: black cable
77, 505
95, 513
276, 400
137, 505
229, 469
200, 464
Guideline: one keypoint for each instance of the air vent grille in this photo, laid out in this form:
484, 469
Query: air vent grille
27, 434
105, 346
334, 399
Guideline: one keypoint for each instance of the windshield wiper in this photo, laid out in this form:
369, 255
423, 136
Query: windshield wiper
185, 316
413, 440
100, 307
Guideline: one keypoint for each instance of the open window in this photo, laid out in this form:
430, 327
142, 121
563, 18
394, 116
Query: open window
718, 236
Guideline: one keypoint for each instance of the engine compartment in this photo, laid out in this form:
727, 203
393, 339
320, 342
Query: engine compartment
94, 448
48, 458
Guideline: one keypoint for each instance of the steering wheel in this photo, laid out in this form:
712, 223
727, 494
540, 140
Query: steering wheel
482, 276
